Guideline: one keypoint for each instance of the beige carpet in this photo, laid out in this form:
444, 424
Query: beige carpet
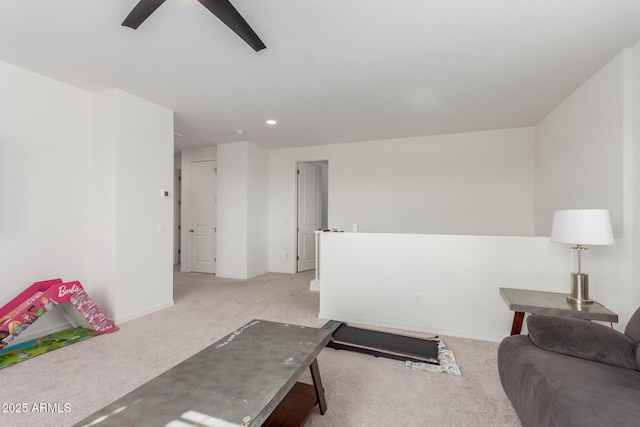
361, 390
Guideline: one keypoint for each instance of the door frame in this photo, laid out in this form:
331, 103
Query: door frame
177, 216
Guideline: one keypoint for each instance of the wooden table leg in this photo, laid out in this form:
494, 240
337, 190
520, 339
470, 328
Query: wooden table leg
516, 327
317, 384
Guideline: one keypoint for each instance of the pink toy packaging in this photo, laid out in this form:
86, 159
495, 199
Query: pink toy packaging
37, 299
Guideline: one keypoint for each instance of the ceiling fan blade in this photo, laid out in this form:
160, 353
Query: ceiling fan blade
143, 9
228, 14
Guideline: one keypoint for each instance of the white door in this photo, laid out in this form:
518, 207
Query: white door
202, 217
309, 214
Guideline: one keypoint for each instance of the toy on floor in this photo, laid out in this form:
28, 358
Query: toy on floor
26, 350
70, 297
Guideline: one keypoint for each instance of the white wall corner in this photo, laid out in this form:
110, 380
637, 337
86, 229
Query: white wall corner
233, 163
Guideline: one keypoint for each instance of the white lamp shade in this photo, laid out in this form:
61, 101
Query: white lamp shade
582, 227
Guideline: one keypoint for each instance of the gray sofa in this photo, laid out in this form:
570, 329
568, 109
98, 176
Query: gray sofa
572, 372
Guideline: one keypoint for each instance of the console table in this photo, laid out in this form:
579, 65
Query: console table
522, 301
248, 378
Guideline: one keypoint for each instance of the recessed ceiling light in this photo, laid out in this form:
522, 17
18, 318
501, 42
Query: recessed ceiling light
271, 122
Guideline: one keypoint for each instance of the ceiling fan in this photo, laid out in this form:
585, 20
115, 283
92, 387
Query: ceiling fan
223, 9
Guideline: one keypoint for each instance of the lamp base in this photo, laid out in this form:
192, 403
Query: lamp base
579, 289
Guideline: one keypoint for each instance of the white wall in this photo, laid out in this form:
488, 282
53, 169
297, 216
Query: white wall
139, 137
79, 210
103, 210
471, 183
587, 157
257, 211
632, 156
374, 279
242, 210
45, 182
187, 156
578, 151
232, 210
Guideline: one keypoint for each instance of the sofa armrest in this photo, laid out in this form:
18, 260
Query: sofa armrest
583, 339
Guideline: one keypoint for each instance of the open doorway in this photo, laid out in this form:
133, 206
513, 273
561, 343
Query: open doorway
312, 210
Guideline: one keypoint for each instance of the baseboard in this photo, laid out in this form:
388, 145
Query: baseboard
411, 327
314, 285
133, 316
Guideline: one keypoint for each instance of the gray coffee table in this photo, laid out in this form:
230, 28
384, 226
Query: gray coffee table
522, 301
248, 378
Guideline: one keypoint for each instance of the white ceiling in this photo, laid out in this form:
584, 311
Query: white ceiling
334, 70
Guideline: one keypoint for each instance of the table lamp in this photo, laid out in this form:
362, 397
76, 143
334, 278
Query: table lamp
581, 227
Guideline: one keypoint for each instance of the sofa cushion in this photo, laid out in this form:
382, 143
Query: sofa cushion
555, 390
583, 339
633, 327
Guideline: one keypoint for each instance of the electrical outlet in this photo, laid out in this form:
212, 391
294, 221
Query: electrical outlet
417, 300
